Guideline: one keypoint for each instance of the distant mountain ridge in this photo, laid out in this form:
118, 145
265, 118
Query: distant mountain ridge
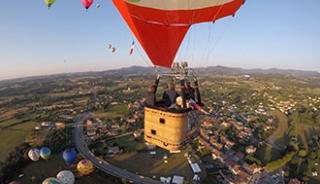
219, 70
292, 72
140, 70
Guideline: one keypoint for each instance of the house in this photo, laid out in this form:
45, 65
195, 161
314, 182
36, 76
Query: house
239, 157
242, 177
46, 124
137, 133
295, 181
204, 133
252, 169
225, 125
216, 154
227, 142
131, 120
216, 144
208, 123
60, 125
251, 149
89, 122
233, 167
113, 150
177, 180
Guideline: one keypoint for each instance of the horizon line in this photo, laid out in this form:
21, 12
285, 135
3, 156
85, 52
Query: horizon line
119, 68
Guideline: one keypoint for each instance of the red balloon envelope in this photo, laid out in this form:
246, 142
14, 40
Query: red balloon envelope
161, 25
87, 3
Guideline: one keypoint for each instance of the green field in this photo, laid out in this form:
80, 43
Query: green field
8, 122
13, 137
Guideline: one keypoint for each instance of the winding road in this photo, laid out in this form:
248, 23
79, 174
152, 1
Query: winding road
102, 165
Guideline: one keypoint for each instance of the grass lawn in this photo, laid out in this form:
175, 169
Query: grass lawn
149, 165
129, 143
44, 169
13, 137
113, 112
8, 122
267, 154
305, 126
140, 161
279, 136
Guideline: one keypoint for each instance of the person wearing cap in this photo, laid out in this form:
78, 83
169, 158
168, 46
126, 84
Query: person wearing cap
190, 91
151, 93
170, 95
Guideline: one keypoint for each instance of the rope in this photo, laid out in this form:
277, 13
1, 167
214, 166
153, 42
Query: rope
210, 32
210, 53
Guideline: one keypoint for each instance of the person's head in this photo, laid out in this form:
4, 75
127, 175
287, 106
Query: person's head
179, 101
171, 86
151, 88
188, 84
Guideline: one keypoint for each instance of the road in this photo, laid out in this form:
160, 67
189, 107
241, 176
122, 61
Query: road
102, 165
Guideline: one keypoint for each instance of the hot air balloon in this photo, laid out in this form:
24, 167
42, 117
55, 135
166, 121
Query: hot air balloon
87, 3
34, 154
85, 167
161, 25
66, 177
51, 181
49, 2
45, 153
14, 182
70, 156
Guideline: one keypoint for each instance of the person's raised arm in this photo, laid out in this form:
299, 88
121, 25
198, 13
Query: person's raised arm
156, 83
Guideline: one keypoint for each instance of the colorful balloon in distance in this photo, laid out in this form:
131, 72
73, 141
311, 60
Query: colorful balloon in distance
66, 177
69, 156
51, 181
87, 3
85, 167
34, 154
49, 3
161, 25
45, 153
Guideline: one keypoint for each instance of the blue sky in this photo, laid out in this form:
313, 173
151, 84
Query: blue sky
264, 34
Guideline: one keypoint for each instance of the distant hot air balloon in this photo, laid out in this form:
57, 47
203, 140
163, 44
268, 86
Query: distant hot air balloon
85, 167
14, 182
98, 6
51, 181
45, 153
87, 3
161, 25
49, 2
34, 154
109, 46
114, 50
70, 156
66, 177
